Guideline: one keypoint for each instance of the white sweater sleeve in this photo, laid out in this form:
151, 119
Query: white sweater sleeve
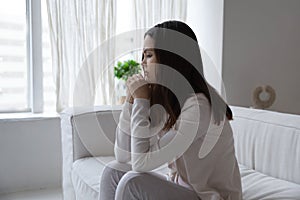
122, 141
146, 155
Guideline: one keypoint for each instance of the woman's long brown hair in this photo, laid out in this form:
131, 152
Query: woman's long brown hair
191, 72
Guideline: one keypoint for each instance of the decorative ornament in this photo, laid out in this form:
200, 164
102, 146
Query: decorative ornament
264, 103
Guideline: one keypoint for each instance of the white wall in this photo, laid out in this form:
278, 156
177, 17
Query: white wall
205, 17
30, 154
262, 46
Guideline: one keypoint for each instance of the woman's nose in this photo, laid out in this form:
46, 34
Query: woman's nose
143, 64
144, 60
143, 67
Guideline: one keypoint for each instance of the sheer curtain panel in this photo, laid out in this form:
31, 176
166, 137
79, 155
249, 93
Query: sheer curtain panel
78, 30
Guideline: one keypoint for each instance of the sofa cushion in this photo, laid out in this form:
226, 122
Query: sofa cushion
268, 142
86, 174
259, 186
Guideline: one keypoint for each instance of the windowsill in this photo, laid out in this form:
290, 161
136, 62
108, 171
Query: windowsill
27, 116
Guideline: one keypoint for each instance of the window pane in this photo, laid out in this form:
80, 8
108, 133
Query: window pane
13, 56
48, 79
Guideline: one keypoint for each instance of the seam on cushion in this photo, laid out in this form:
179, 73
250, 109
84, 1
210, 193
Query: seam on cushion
82, 180
252, 171
277, 124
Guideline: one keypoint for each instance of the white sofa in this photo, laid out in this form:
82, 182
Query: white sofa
267, 148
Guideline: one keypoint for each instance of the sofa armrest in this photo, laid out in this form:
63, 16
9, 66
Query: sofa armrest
86, 132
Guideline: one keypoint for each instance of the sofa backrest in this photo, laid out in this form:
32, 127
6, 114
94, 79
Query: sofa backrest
90, 132
268, 142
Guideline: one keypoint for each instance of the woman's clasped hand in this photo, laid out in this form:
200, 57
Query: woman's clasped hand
138, 87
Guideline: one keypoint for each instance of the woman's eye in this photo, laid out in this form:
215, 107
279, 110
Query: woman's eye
149, 56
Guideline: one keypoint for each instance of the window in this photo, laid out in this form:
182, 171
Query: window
13, 56
26, 82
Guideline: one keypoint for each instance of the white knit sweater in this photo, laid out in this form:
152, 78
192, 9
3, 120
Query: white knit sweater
202, 154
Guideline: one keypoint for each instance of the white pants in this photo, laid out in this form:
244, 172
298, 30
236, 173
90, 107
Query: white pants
118, 182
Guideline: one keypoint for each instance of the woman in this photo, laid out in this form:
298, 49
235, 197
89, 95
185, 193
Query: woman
172, 115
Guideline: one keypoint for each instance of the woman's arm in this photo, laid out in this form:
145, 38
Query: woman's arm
122, 141
122, 148
147, 155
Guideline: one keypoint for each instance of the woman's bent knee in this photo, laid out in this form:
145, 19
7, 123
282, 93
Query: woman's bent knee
115, 169
130, 186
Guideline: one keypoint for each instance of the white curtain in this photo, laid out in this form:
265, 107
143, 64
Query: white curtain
150, 12
83, 46
81, 51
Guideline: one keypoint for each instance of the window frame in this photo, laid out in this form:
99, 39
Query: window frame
34, 56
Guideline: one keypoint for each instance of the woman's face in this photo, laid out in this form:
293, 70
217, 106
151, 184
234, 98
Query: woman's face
149, 59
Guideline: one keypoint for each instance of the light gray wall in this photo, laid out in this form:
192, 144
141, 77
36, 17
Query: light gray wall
262, 46
30, 154
205, 17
